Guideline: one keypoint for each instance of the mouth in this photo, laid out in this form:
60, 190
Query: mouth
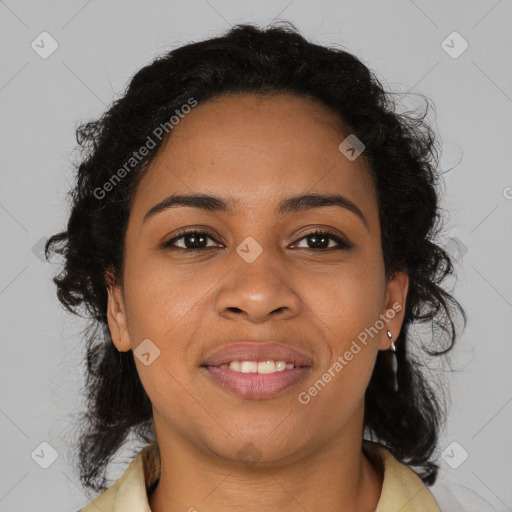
257, 370
257, 386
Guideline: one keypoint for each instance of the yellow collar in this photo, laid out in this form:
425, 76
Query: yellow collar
402, 489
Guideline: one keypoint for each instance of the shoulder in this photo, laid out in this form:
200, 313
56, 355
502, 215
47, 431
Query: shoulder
402, 488
129, 492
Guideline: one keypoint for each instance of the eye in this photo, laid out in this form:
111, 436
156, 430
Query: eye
193, 240
321, 240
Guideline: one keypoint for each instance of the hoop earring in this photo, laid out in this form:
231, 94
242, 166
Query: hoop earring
394, 361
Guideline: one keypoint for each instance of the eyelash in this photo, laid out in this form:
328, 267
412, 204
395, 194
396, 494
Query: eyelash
342, 244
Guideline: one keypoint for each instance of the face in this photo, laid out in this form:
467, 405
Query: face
254, 272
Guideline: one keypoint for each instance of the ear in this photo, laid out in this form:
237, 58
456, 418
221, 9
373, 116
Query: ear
394, 309
116, 314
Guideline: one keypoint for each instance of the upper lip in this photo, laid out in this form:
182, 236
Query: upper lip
257, 351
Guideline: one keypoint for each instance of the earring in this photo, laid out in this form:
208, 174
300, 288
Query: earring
394, 362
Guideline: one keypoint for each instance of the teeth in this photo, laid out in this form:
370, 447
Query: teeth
281, 365
235, 365
258, 367
249, 367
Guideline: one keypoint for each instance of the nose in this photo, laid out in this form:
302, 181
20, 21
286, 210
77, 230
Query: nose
258, 291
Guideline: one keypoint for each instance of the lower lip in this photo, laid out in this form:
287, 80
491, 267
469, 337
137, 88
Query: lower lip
257, 386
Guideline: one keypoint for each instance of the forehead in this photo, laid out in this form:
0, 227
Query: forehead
254, 148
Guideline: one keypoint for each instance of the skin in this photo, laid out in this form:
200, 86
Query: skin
257, 151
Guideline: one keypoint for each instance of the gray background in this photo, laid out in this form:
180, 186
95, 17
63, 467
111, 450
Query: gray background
101, 45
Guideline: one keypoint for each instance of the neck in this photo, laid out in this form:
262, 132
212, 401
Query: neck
335, 476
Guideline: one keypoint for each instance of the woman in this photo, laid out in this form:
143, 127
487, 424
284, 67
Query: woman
253, 235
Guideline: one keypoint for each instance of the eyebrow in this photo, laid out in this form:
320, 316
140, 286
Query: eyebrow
225, 205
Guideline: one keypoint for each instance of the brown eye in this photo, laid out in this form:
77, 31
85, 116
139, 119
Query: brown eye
198, 241
191, 240
322, 240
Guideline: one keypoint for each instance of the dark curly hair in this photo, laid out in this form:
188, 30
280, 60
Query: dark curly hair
402, 155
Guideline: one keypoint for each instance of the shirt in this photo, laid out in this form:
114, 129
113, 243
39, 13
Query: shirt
402, 489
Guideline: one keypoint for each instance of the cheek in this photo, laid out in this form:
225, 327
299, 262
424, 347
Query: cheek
164, 300
165, 305
348, 299
346, 306
344, 311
